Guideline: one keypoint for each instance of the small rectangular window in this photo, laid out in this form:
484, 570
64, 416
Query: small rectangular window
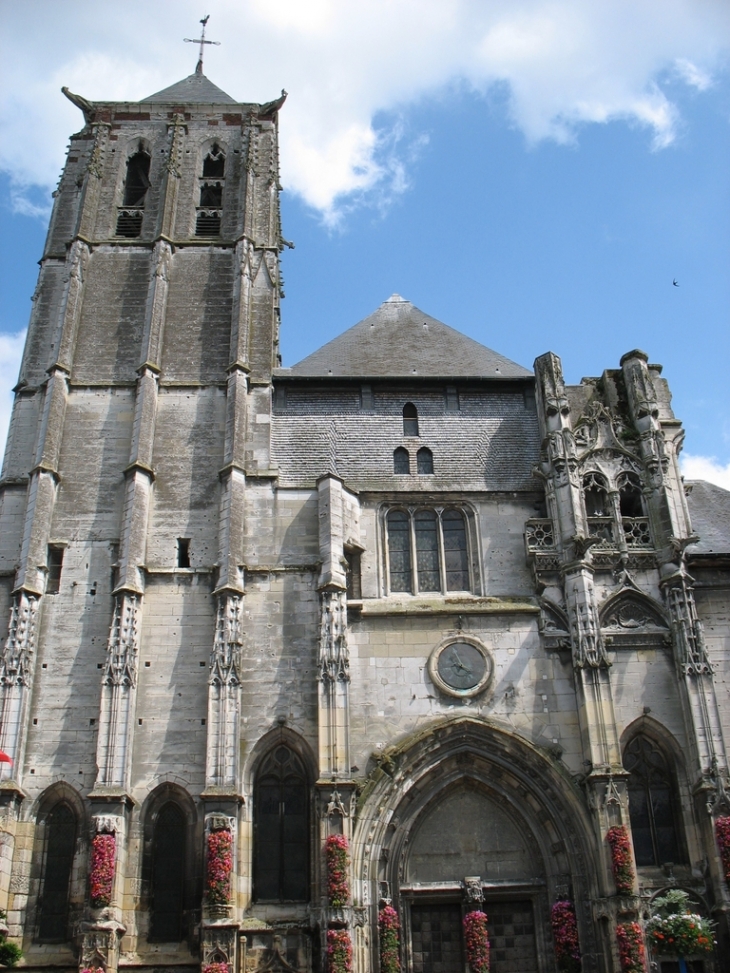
55, 564
183, 552
452, 399
354, 582
366, 397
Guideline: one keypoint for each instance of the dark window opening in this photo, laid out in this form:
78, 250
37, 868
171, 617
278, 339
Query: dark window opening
456, 558
652, 804
211, 194
399, 551
427, 551
452, 399
55, 564
401, 461
168, 875
137, 182
410, 419
214, 163
353, 575
424, 461
54, 897
183, 552
629, 493
366, 397
595, 496
281, 852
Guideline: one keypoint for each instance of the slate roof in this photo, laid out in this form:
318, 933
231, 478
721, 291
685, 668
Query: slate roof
400, 341
196, 89
709, 511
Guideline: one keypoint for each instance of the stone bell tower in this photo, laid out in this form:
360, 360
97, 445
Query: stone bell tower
151, 345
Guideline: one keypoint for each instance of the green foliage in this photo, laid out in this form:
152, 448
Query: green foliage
10, 954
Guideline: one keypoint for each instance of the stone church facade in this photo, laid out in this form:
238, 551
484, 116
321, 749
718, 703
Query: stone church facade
406, 603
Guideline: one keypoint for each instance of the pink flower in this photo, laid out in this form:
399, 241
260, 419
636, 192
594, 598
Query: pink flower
622, 862
219, 868
389, 934
476, 941
565, 935
722, 833
215, 968
337, 855
631, 947
339, 951
101, 873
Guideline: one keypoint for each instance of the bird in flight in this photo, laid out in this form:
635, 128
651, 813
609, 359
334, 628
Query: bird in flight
674, 281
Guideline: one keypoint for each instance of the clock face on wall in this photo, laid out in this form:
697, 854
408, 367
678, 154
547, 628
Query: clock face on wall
460, 668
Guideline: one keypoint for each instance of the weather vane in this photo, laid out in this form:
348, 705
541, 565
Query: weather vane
202, 41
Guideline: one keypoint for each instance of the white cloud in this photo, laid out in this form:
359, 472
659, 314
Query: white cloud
11, 351
705, 468
564, 63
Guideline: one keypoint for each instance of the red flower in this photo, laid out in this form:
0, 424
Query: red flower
216, 968
722, 833
338, 862
565, 935
631, 947
101, 872
622, 862
476, 941
219, 867
389, 929
339, 951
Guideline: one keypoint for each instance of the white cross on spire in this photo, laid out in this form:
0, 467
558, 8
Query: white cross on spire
202, 41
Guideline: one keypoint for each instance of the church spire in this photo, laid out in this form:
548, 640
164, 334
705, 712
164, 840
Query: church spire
202, 41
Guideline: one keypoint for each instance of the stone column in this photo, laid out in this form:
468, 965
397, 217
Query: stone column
17, 659
119, 681
334, 659
100, 935
605, 778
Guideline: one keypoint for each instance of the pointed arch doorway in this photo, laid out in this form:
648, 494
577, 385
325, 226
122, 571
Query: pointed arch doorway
475, 817
466, 843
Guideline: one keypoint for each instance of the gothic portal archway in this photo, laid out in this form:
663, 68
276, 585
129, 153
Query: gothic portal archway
467, 812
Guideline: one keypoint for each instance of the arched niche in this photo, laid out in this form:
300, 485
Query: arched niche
527, 815
468, 831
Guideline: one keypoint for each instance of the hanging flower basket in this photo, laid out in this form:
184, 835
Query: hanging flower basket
675, 931
632, 954
565, 936
622, 862
219, 867
339, 951
389, 930
92, 969
476, 941
722, 833
337, 855
101, 872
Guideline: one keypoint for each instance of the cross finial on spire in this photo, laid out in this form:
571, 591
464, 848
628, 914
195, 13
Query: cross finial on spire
202, 41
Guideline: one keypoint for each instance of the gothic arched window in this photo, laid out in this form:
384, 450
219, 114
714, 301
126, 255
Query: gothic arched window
424, 460
652, 803
401, 461
56, 874
410, 419
208, 221
438, 540
136, 184
281, 820
137, 181
595, 496
629, 494
168, 874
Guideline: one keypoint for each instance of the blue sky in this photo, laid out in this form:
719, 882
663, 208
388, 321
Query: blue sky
534, 173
